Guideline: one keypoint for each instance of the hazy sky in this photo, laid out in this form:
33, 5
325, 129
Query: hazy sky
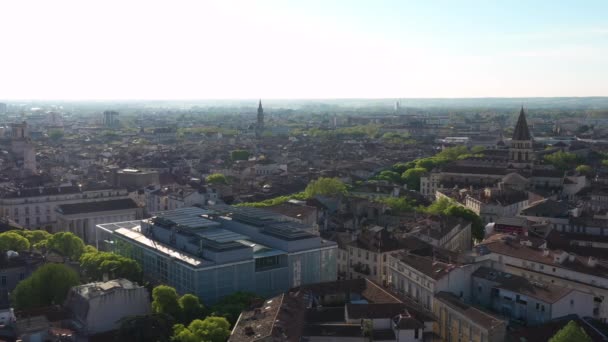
89, 49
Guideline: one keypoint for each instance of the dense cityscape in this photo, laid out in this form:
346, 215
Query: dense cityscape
265, 221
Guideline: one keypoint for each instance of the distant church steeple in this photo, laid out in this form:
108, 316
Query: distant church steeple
521, 153
260, 124
521, 128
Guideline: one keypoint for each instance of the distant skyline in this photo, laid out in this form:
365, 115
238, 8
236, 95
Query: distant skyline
132, 49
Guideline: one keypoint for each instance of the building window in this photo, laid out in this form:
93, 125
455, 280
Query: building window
416, 333
3, 281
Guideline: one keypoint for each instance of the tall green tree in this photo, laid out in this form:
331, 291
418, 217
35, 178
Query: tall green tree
14, 242
67, 244
570, 333
164, 301
48, 285
191, 308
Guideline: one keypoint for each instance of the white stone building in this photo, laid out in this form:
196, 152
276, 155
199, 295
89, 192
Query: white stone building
36, 207
98, 307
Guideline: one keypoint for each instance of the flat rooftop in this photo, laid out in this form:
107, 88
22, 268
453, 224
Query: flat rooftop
161, 248
190, 218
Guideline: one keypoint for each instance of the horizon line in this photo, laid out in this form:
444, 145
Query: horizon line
304, 98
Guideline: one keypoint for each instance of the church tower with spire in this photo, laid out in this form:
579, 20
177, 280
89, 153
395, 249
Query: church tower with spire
260, 123
521, 153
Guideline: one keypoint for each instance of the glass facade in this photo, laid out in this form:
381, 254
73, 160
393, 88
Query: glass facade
265, 276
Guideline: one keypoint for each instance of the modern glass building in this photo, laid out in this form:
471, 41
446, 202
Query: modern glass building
215, 252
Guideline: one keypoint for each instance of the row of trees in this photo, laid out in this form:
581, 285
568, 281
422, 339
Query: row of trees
324, 186
409, 173
50, 283
63, 243
361, 131
184, 318
564, 161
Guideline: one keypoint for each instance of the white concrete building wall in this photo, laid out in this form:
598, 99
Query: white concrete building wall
575, 302
106, 310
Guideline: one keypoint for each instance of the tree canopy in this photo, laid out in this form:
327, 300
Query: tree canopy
399, 204
191, 308
389, 175
230, 307
13, 241
164, 301
445, 206
211, 329
411, 177
48, 285
65, 243
571, 332
33, 236
154, 327
326, 187
182, 309
585, 170
563, 160
239, 155
216, 179
95, 264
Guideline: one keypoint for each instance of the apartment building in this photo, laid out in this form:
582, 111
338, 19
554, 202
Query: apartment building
420, 274
519, 256
458, 321
37, 207
530, 301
